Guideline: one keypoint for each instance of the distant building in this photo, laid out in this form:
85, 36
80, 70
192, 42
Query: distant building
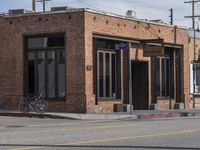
71, 57
194, 59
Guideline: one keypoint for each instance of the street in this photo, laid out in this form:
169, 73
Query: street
42, 134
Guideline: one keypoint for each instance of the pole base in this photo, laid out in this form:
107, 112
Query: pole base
179, 106
128, 108
153, 107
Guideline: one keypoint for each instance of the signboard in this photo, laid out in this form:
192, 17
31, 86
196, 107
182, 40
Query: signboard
123, 46
153, 48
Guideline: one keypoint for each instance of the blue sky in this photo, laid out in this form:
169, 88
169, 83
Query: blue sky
145, 9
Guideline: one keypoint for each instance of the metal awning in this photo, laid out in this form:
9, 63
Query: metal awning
138, 41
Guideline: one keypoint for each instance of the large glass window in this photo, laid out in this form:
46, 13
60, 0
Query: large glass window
162, 74
61, 74
195, 78
51, 74
46, 66
106, 74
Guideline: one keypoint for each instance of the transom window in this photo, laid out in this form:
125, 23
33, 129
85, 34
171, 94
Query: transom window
46, 66
46, 42
163, 74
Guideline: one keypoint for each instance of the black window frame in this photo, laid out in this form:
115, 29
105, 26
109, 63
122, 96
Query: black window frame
163, 73
108, 46
56, 51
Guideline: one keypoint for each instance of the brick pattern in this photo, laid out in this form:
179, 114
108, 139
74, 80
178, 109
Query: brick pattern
78, 28
12, 56
166, 104
118, 27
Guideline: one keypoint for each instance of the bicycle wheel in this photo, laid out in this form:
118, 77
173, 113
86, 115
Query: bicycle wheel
41, 106
22, 106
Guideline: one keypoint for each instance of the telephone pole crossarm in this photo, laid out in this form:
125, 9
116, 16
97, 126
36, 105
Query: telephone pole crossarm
194, 1
196, 16
43, 1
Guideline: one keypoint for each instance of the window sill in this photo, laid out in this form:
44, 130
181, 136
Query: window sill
55, 99
108, 99
164, 98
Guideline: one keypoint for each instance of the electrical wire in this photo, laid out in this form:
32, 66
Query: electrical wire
47, 6
52, 3
150, 27
79, 1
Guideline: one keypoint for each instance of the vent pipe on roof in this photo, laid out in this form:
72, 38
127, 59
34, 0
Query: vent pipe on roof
130, 14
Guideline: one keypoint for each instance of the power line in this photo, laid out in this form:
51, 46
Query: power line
89, 5
47, 6
193, 2
52, 4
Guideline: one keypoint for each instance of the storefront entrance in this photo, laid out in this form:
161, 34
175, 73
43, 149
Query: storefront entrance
140, 85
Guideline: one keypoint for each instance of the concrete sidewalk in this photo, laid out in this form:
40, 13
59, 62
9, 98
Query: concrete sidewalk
137, 114
76, 116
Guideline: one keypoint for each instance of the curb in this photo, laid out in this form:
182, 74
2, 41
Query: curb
101, 116
157, 116
32, 115
70, 116
168, 115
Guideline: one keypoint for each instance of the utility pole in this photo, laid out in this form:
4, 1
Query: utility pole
193, 2
171, 16
43, 2
33, 6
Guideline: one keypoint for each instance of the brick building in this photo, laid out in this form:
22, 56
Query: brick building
71, 57
194, 60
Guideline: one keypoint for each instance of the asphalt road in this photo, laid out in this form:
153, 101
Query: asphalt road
45, 134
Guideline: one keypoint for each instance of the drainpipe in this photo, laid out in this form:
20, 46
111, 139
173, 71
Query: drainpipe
130, 80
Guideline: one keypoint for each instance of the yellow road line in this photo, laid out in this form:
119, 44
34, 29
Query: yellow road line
116, 139
68, 129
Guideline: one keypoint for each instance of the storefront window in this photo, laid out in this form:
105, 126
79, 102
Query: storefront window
46, 66
162, 74
106, 74
195, 78
108, 70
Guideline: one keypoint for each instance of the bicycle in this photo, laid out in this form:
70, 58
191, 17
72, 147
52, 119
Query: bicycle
35, 103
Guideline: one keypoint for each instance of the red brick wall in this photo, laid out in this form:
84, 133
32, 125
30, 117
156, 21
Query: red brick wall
78, 28
12, 55
114, 26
